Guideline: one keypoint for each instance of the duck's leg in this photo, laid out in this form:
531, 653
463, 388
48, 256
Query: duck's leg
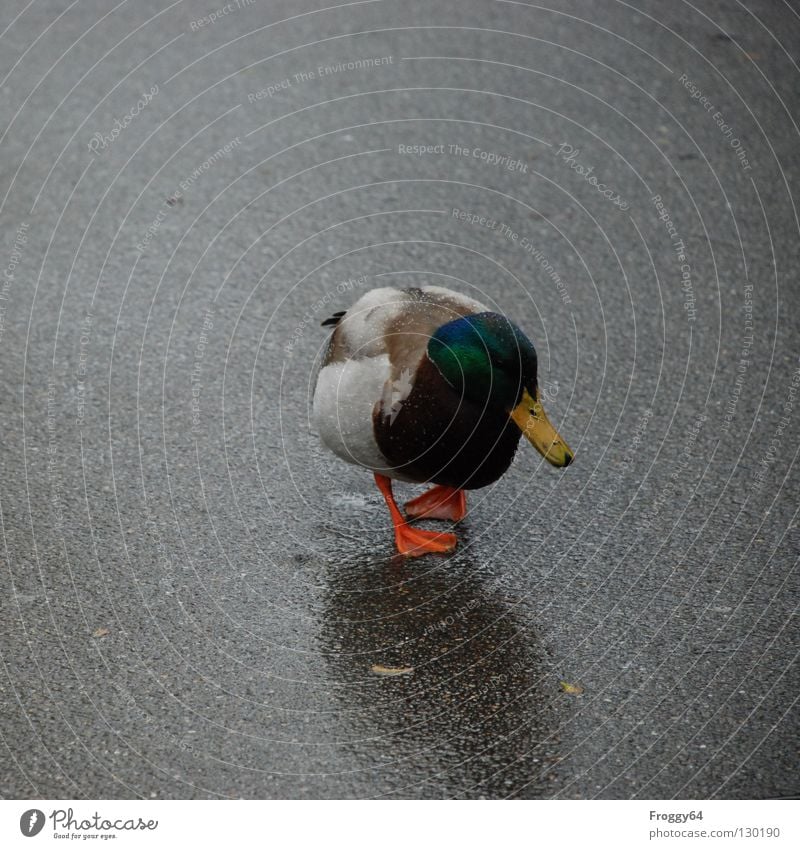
412, 542
441, 502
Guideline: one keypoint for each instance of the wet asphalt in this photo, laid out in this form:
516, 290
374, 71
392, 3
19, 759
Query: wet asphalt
197, 600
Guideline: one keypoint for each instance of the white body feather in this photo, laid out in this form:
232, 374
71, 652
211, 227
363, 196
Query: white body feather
343, 405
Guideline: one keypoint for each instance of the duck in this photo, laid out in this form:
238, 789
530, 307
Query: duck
426, 385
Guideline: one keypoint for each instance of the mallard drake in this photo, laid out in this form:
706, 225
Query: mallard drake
428, 386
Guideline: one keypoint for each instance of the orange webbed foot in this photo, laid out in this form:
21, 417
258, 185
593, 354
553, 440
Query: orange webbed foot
412, 542
441, 502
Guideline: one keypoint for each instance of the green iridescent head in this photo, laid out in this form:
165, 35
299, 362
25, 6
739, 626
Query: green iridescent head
490, 362
486, 358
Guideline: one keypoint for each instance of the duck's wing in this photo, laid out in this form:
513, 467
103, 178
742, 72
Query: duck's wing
397, 323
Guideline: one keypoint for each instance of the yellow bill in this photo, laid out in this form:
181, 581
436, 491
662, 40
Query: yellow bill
530, 417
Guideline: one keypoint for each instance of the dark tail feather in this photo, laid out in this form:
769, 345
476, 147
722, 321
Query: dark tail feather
334, 319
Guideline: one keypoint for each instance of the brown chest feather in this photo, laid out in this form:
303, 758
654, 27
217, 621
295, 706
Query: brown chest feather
437, 436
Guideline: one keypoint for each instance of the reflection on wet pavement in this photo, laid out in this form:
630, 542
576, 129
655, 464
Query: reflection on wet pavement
444, 689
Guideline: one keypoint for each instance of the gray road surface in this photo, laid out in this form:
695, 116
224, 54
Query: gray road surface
194, 593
